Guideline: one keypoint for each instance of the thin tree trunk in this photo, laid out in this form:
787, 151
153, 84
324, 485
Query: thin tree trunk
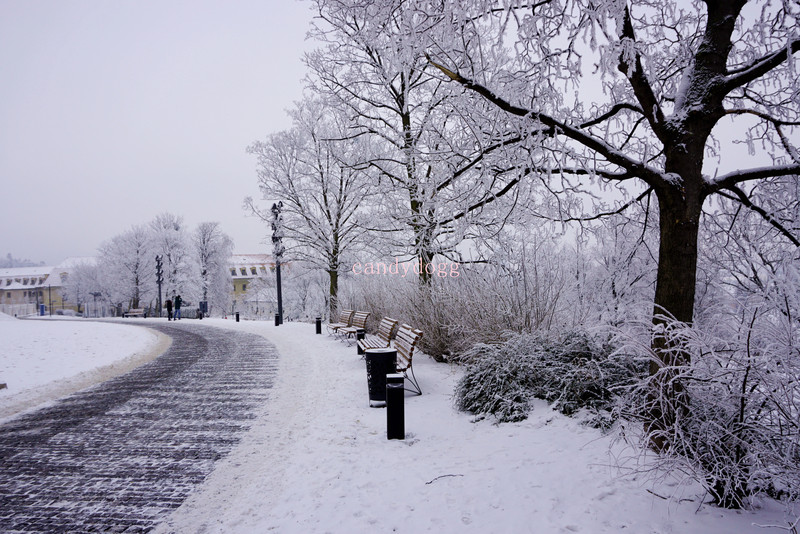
333, 292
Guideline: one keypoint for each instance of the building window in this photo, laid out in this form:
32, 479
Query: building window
243, 271
244, 287
253, 271
233, 272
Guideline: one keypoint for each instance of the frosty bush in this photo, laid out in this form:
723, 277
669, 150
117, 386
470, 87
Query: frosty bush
499, 380
737, 426
573, 371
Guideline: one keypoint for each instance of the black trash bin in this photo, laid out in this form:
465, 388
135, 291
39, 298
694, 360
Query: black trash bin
380, 362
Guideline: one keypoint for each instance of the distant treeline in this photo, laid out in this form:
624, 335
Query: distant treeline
10, 262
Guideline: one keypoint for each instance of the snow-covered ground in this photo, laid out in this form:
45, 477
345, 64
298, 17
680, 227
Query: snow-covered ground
44, 359
317, 458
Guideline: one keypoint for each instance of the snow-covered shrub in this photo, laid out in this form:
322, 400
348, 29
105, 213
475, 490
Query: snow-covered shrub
574, 370
737, 422
498, 380
515, 296
456, 312
733, 408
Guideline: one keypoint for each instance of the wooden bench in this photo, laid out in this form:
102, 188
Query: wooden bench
359, 322
405, 342
134, 312
344, 320
386, 331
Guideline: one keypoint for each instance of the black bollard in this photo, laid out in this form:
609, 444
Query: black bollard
319, 325
395, 410
237, 317
277, 320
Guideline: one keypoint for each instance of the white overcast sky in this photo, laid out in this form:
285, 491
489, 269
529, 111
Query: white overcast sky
113, 111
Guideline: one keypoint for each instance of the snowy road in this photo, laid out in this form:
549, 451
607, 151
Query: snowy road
123, 454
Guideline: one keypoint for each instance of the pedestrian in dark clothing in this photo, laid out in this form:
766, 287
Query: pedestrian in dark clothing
178, 302
168, 304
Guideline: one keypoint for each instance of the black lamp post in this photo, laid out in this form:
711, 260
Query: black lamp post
277, 236
159, 280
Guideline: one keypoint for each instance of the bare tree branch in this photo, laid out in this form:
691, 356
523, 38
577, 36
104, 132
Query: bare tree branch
760, 66
632, 69
736, 177
477, 159
634, 168
742, 197
610, 113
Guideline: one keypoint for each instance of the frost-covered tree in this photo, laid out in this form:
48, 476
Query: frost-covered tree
126, 267
613, 92
171, 239
213, 250
81, 283
442, 172
313, 174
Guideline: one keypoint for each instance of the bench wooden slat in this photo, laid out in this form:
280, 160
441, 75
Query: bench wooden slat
344, 320
359, 322
405, 343
386, 330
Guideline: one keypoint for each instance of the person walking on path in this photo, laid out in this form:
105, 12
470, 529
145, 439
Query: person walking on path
178, 302
168, 304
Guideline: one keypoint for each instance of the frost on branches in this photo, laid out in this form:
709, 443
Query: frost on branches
617, 92
488, 126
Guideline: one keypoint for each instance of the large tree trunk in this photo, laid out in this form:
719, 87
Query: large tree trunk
680, 210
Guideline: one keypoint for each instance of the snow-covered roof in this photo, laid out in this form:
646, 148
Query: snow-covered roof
26, 272
16, 285
251, 259
49, 273
74, 261
260, 263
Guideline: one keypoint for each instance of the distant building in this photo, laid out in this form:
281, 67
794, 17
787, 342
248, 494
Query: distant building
24, 289
253, 284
